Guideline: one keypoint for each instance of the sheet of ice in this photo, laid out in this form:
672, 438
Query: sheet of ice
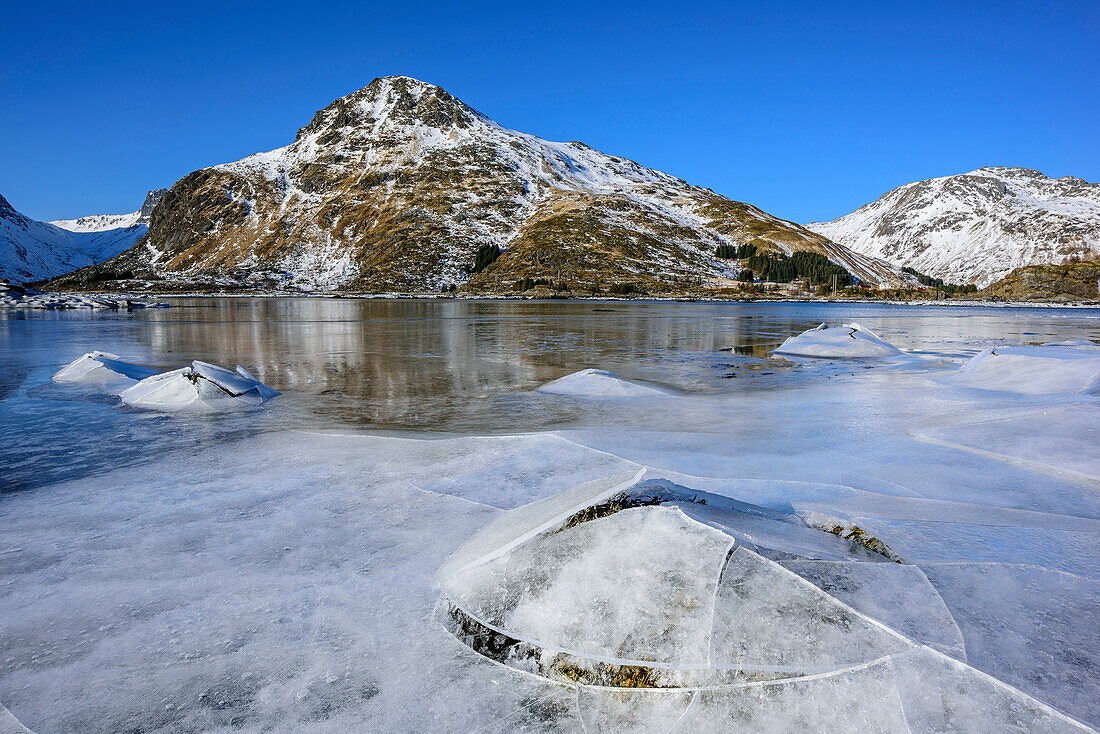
899, 596
593, 383
101, 367
1032, 370
849, 341
509, 530
863, 699
201, 386
632, 712
265, 589
777, 538
768, 618
921, 541
1060, 439
1029, 627
940, 694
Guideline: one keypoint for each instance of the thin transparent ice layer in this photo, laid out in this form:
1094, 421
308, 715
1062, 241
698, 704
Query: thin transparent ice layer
508, 530
778, 538
631, 711
767, 618
637, 585
1034, 629
861, 700
940, 694
1059, 439
899, 596
919, 541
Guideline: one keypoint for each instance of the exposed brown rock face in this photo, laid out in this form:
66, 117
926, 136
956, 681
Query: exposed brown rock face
396, 186
1078, 281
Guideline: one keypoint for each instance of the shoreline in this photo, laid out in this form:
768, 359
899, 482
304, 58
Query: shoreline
592, 299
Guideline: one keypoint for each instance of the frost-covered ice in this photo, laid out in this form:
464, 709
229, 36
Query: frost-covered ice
199, 386
593, 383
849, 341
249, 575
101, 367
1033, 370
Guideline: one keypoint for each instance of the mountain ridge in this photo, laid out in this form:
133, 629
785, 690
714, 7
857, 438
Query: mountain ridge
976, 227
31, 250
396, 186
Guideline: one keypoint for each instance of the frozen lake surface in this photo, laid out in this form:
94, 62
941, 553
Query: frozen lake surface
275, 568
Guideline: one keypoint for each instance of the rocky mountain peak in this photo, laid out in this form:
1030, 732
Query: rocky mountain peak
152, 198
7, 211
390, 101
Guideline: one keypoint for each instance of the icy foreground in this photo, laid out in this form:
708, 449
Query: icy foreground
883, 550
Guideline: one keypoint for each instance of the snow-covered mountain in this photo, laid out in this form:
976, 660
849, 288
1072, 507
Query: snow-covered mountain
105, 222
976, 227
397, 186
32, 250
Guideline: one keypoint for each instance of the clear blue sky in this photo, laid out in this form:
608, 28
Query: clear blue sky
805, 109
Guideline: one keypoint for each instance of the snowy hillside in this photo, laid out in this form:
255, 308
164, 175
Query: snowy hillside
978, 226
397, 186
104, 222
31, 250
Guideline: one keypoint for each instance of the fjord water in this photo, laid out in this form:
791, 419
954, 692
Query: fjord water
270, 569
448, 366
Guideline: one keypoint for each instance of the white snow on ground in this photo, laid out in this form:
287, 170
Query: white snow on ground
849, 341
593, 383
285, 581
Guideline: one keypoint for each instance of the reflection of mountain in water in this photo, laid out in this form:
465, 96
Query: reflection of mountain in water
446, 364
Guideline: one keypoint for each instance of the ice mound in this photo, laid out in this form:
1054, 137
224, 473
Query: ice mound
101, 367
849, 341
592, 383
1067, 368
658, 618
200, 386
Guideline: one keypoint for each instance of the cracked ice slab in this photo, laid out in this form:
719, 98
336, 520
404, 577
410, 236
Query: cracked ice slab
899, 596
633, 586
99, 366
200, 386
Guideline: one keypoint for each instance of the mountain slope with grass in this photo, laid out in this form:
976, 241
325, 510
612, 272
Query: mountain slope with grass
397, 188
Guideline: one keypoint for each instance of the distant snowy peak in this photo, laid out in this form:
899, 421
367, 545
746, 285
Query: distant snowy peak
31, 250
976, 227
398, 185
103, 222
